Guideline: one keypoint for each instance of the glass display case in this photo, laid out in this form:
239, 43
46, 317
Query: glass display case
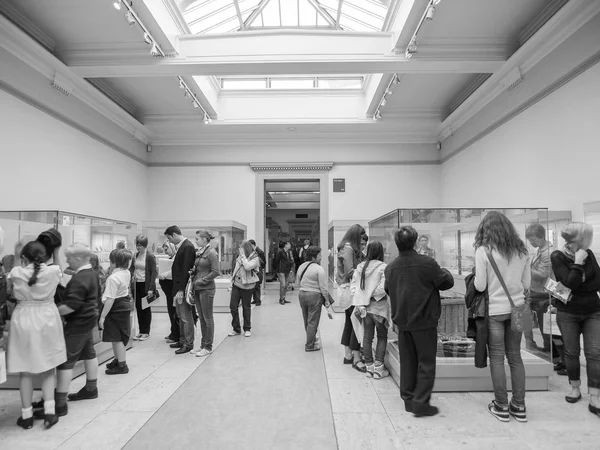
591, 215
447, 235
101, 235
228, 235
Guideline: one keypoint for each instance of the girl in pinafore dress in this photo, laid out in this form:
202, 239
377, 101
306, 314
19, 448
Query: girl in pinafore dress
116, 310
36, 343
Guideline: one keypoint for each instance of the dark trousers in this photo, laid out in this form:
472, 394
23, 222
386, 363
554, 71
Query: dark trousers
204, 306
167, 287
348, 335
144, 316
256, 291
371, 324
572, 326
417, 366
186, 323
310, 303
245, 295
539, 305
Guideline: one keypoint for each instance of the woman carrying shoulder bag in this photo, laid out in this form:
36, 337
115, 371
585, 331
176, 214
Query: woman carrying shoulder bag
312, 295
245, 277
575, 266
497, 243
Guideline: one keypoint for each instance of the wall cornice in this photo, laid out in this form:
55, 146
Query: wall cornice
292, 167
27, 25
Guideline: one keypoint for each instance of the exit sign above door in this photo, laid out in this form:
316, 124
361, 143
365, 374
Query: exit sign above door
339, 185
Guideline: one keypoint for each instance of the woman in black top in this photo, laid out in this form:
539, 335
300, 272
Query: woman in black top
575, 266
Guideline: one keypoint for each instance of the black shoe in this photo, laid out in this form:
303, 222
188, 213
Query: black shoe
257, 303
117, 370
559, 366
316, 348
594, 409
183, 350
58, 410
253, 302
281, 302
83, 394
113, 363
425, 410
37, 405
348, 360
562, 372
572, 399
287, 301
176, 345
408, 406
26, 424
50, 420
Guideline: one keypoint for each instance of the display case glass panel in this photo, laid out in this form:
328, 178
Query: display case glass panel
591, 214
101, 235
448, 235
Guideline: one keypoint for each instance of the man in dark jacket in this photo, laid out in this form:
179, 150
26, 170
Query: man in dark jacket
180, 273
261, 272
283, 266
413, 283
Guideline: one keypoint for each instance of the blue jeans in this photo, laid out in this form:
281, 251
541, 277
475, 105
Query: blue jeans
310, 303
370, 325
504, 341
186, 323
283, 284
204, 306
572, 326
245, 296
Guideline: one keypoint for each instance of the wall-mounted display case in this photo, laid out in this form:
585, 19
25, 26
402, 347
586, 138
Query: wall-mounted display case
447, 235
100, 234
228, 235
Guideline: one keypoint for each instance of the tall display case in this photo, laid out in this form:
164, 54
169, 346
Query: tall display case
591, 215
228, 235
101, 235
447, 235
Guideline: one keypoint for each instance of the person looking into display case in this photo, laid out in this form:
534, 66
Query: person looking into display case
143, 271
497, 238
541, 270
413, 283
424, 248
576, 267
349, 255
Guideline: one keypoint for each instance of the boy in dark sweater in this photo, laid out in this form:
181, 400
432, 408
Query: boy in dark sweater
413, 283
80, 311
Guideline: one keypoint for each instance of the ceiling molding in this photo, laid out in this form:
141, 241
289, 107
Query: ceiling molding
177, 17
312, 92
113, 95
283, 32
292, 167
587, 64
69, 122
27, 25
24, 47
499, 49
468, 91
555, 31
335, 163
552, 8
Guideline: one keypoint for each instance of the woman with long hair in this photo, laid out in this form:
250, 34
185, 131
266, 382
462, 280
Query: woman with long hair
348, 256
245, 277
497, 238
575, 266
143, 273
36, 343
369, 297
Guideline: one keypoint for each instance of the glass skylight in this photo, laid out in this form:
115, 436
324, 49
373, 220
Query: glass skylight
292, 82
225, 16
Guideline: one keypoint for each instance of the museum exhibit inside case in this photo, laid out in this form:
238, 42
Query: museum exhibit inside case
227, 236
101, 235
448, 235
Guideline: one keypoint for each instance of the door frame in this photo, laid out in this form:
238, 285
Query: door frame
294, 175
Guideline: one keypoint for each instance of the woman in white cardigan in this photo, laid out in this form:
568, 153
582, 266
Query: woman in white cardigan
245, 277
370, 301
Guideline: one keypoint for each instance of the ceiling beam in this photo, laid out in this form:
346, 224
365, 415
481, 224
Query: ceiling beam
239, 15
276, 65
323, 13
256, 13
339, 15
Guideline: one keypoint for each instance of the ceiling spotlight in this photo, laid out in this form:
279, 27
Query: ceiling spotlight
195, 104
388, 92
117, 4
430, 13
154, 51
412, 48
181, 84
186, 94
130, 19
377, 115
206, 119
383, 101
396, 79
147, 38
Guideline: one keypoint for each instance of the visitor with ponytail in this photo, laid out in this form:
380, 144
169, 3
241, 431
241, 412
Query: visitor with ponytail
370, 301
36, 343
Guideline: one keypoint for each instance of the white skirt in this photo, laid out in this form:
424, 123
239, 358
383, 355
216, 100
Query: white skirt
36, 340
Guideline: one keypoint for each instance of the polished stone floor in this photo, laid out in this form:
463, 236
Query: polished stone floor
265, 392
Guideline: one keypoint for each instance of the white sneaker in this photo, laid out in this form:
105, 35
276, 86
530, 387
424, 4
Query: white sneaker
248, 333
143, 337
234, 333
203, 352
137, 338
195, 351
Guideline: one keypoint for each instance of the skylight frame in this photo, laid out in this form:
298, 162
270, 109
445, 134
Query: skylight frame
316, 83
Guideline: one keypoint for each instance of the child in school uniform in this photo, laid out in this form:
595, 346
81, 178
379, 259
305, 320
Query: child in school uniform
115, 319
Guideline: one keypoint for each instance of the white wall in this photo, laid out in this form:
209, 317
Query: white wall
547, 156
49, 165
